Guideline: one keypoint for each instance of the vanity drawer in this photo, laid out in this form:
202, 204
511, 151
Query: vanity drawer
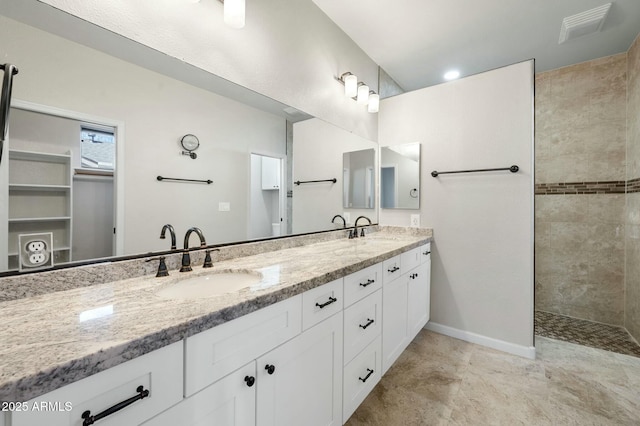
425, 253
214, 353
321, 302
360, 377
410, 259
391, 269
362, 283
362, 324
159, 372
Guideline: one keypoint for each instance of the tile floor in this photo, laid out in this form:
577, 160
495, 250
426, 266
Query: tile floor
583, 332
440, 380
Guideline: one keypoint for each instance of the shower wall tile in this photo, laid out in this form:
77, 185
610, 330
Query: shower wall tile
581, 115
581, 136
632, 262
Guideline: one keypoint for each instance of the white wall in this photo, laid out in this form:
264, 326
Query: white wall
317, 154
157, 112
289, 50
483, 223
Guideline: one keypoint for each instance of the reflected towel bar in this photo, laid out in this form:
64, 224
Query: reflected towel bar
298, 182
208, 182
512, 169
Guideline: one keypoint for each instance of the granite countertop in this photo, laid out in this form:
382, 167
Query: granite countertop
50, 340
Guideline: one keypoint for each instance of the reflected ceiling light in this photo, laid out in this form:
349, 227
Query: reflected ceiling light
374, 102
234, 13
363, 94
451, 75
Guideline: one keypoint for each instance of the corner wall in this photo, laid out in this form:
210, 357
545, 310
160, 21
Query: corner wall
632, 269
482, 276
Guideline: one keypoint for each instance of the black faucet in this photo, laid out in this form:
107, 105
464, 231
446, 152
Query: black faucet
173, 235
344, 222
186, 259
355, 227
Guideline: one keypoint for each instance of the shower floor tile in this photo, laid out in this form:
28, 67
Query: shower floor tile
587, 333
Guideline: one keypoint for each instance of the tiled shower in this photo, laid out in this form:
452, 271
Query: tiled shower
587, 233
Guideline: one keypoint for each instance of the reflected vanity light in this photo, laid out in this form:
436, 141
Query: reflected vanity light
359, 91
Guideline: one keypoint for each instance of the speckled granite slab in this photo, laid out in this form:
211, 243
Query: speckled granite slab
50, 340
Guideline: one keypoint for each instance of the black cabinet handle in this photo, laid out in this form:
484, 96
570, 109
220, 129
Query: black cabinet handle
89, 419
413, 276
270, 368
369, 322
392, 270
331, 300
426, 253
369, 282
249, 380
370, 372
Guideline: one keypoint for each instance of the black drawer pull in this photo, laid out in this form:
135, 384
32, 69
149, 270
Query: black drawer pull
369, 322
369, 282
249, 380
392, 270
270, 368
426, 253
370, 372
89, 419
413, 276
331, 300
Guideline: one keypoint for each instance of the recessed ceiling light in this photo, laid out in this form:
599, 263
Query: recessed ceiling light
451, 75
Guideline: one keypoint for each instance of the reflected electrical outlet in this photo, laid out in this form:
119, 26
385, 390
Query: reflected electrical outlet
35, 251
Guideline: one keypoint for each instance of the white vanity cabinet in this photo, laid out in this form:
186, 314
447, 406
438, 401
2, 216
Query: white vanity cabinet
406, 301
158, 372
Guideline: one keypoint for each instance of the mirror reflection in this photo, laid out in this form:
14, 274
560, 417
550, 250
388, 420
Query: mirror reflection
400, 176
251, 155
358, 190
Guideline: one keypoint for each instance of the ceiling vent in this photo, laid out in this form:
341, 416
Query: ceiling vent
583, 23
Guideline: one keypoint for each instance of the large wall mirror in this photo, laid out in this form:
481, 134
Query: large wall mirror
251, 151
400, 176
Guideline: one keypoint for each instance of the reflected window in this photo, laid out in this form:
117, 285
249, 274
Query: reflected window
97, 148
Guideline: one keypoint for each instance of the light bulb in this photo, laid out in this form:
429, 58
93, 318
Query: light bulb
351, 86
234, 13
363, 94
374, 102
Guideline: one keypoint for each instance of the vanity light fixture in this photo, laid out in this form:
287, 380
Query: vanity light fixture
359, 91
374, 102
234, 13
363, 94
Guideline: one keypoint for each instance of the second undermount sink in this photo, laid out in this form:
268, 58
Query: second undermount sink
209, 285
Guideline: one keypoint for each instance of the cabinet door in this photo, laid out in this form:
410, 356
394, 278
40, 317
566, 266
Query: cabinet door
419, 295
300, 382
270, 173
231, 401
394, 321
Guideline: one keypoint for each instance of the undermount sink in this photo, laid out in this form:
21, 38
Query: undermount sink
208, 285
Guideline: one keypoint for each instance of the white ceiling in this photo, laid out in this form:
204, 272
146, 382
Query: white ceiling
417, 41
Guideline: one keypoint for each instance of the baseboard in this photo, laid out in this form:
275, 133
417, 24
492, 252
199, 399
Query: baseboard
490, 342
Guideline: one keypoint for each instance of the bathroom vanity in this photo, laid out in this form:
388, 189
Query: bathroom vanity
304, 344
